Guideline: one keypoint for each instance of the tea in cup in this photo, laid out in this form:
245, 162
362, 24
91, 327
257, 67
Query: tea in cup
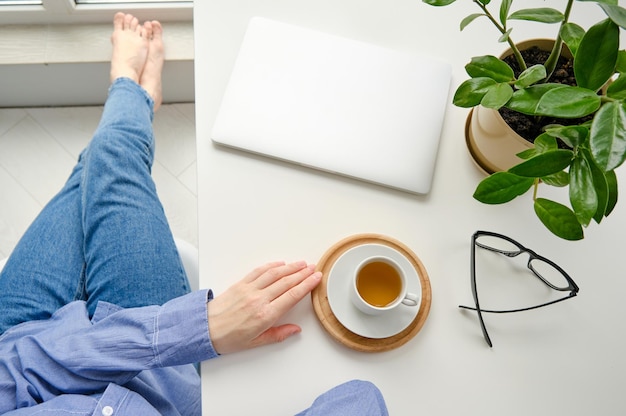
379, 285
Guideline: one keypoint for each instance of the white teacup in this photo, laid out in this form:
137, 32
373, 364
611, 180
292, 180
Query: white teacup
379, 286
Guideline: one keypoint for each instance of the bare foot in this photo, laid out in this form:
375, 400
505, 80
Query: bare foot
150, 79
130, 47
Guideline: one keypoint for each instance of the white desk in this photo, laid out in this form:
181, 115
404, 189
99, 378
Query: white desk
563, 359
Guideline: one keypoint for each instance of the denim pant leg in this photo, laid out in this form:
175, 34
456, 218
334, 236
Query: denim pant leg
46, 268
131, 258
105, 235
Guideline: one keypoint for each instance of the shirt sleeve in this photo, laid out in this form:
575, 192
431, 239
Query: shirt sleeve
354, 398
73, 355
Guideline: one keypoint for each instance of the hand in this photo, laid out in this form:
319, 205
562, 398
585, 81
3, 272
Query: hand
244, 315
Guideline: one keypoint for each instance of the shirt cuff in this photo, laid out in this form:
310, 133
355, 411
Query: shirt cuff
182, 330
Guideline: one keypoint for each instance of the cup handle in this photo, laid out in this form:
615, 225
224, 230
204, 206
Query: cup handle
410, 299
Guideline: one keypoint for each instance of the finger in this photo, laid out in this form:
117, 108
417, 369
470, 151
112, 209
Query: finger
276, 334
289, 298
275, 274
286, 282
257, 272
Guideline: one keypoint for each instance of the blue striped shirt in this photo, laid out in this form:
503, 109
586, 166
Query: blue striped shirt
136, 361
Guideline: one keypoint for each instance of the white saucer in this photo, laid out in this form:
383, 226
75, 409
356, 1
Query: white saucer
338, 292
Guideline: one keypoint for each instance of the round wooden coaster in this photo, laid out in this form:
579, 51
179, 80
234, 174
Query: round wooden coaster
330, 323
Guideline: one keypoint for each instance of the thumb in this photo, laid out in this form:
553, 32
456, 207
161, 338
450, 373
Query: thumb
276, 334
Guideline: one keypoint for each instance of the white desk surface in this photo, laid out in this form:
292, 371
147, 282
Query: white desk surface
563, 359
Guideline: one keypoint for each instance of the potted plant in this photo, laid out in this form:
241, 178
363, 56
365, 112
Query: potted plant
586, 143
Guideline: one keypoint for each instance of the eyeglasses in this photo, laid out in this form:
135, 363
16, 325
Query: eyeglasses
544, 269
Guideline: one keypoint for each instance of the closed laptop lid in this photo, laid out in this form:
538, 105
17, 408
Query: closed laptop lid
335, 104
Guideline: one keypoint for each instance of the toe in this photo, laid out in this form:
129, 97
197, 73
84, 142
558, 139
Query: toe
157, 30
118, 21
128, 19
134, 25
147, 30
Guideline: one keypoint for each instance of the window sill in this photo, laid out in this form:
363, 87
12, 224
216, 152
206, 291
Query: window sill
54, 65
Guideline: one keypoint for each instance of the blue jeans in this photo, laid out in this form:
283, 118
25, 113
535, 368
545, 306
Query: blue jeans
104, 236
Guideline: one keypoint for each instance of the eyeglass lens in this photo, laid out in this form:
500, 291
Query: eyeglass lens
495, 243
542, 267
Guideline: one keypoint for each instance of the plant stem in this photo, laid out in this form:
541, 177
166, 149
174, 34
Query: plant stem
550, 64
502, 29
536, 187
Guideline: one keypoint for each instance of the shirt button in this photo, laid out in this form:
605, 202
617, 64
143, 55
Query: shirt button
107, 411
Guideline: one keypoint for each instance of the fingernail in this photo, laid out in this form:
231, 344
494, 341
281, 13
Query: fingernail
317, 275
295, 331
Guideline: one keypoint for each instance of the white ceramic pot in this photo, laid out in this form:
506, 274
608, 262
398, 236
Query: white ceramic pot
491, 142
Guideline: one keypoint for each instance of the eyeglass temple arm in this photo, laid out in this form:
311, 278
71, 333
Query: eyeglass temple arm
572, 294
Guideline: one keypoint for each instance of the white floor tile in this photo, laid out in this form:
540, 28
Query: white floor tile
188, 109
39, 147
189, 178
72, 127
179, 203
175, 140
9, 117
36, 161
17, 210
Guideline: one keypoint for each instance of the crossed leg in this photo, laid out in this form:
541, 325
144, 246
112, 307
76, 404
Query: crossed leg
104, 236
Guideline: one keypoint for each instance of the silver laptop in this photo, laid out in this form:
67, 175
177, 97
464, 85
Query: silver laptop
335, 104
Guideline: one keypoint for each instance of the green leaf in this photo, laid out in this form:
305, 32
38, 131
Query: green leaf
527, 154
568, 102
438, 2
526, 100
608, 135
600, 185
582, 194
501, 187
497, 96
544, 164
614, 2
505, 6
469, 19
559, 179
611, 181
544, 143
542, 15
491, 67
621, 62
617, 88
505, 36
559, 219
596, 57
530, 76
572, 135
471, 92
616, 14
572, 34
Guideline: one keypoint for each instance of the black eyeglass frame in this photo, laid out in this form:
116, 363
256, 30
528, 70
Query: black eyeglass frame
572, 287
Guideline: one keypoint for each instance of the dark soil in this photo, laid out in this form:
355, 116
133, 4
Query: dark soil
529, 127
